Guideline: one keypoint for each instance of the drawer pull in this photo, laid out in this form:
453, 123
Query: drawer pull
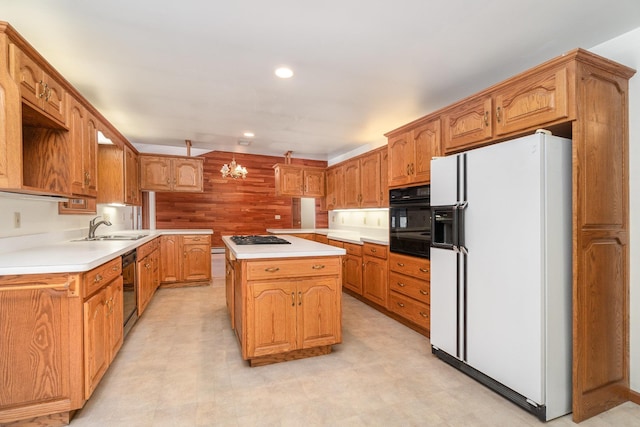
402, 285
423, 314
98, 278
400, 304
373, 250
293, 299
424, 270
272, 269
318, 267
400, 264
114, 268
423, 292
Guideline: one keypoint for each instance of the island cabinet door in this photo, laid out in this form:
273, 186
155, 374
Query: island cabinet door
319, 319
271, 318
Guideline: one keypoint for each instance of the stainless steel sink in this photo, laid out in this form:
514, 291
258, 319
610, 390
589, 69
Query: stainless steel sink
113, 237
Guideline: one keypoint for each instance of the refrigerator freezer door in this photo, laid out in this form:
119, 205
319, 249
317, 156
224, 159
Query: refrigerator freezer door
504, 228
444, 181
445, 324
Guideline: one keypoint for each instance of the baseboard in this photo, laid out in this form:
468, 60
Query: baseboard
634, 396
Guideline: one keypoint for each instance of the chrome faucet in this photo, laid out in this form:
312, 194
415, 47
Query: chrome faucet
93, 225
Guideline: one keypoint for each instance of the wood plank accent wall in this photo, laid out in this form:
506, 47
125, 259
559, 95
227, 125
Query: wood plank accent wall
231, 206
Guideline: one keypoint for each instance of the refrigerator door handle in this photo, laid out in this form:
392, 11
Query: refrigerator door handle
459, 226
454, 229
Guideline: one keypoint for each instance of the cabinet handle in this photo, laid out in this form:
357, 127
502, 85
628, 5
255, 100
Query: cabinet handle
44, 89
147, 266
300, 298
47, 96
498, 114
87, 178
402, 285
373, 250
293, 299
486, 118
408, 173
169, 182
318, 267
114, 268
400, 264
423, 314
413, 169
98, 278
400, 304
185, 254
424, 270
272, 269
423, 292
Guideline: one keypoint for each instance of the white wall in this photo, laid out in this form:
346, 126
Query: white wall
368, 222
626, 50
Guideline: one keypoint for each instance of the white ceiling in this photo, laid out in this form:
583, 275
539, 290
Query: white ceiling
166, 71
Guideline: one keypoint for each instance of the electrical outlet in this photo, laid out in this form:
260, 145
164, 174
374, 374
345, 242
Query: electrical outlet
277, 216
17, 221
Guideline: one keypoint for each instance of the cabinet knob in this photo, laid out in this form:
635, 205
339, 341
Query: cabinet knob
400, 304
424, 270
373, 250
423, 292
423, 314
400, 264
98, 278
402, 285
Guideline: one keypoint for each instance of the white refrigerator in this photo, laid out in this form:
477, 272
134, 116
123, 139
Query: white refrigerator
501, 269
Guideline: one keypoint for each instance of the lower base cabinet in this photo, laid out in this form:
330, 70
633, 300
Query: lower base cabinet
185, 259
409, 291
374, 273
148, 273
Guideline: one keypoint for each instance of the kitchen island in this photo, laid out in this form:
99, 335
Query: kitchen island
284, 300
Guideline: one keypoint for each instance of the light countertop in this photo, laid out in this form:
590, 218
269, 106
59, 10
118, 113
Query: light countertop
298, 248
76, 256
358, 237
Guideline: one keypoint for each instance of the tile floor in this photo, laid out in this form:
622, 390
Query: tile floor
181, 366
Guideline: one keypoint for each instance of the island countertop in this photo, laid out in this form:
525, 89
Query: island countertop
297, 248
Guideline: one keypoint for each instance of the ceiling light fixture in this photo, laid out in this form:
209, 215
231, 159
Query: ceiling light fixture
233, 170
284, 72
249, 134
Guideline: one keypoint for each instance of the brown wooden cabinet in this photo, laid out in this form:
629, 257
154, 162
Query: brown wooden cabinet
118, 175
185, 259
83, 138
335, 188
38, 88
41, 342
299, 181
148, 272
352, 270
409, 291
358, 182
287, 308
171, 173
374, 273
410, 154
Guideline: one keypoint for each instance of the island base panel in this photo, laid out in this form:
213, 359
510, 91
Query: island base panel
291, 355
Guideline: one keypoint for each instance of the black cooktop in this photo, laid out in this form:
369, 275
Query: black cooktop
259, 240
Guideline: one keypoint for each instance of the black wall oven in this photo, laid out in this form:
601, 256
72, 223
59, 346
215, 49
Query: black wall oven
410, 220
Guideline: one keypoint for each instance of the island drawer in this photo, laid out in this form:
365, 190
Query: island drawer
94, 279
409, 286
290, 268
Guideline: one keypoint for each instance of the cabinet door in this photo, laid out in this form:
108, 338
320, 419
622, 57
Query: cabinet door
170, 255
131, 181
271, 318
77, 138
335, 188
97, 350
352, 195
30, 78
90, 157
533, 102
370, 180
155, 173
289, 180
352, 275
374, 280
116, 316
229, 288
318, 312
313, 183
400, 149
187, 174
54, 99
467, 125
384, 178
426, 141
145, 282
196, 259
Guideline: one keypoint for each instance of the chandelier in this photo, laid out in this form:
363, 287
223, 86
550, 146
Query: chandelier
233, 170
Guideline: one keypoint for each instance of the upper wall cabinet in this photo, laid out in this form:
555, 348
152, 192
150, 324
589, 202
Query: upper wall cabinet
37, 88
83, 138
299, 181
171, 173
410, 153
118, 175
334, 187
540, 99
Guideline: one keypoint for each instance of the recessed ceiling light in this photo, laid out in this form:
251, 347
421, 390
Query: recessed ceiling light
284, 72
244, 142
249, 134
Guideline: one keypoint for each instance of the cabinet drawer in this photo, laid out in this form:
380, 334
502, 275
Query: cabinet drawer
291, 268
410, 309
196, 238
353, 249
410, 286
411, 266
147, 248
379, 251
100, 276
